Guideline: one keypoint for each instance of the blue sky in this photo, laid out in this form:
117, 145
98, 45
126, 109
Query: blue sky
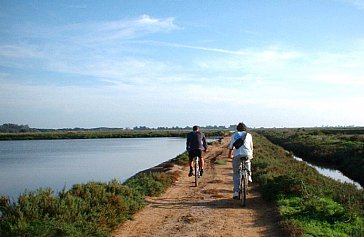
180, 63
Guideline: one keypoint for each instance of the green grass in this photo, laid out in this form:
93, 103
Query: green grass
220, 162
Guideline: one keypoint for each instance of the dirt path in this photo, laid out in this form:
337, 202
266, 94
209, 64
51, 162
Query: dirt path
207, 210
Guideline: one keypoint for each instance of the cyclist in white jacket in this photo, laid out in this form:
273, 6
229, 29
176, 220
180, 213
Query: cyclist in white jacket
246, 150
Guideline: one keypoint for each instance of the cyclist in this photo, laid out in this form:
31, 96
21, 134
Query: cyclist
196, 142
246, 150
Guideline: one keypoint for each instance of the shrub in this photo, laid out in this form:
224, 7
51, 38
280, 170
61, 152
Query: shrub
181, 159
152, 184
90, 209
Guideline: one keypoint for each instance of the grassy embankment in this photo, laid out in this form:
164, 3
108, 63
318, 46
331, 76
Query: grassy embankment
342, 149
309, 204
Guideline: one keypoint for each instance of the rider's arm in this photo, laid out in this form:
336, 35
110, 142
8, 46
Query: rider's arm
231, 153
188, 142
204, 143
231, 148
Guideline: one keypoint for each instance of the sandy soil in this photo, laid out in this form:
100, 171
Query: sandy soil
206, 210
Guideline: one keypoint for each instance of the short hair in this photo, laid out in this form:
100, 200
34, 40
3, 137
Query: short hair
195, 128
241, 127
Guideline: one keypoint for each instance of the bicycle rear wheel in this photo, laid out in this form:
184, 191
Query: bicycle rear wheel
197, 171
244, 189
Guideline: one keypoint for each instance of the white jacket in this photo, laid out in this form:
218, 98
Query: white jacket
246, 149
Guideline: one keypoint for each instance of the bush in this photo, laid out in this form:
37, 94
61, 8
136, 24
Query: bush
181, 159
153, 184
90, 209
286, 185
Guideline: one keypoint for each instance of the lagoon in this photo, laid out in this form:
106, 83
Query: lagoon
29, 165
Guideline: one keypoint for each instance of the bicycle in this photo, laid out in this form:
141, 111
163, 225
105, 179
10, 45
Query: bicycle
244, 180
196, 161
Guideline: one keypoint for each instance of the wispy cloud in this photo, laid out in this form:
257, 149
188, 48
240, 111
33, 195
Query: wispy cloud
90, 48
19, 51
357, 3
120, 29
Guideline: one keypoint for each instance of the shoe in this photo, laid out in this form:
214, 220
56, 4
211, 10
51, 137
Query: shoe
201, 172
236, 195
190, 173
250, 179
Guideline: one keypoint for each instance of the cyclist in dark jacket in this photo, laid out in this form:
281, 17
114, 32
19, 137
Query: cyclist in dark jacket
196, 142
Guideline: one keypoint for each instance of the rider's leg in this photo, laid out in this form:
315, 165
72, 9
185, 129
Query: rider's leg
249, 170
190, 164
236, 174
202, 165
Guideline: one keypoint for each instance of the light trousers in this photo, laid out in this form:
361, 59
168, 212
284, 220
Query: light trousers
236, 171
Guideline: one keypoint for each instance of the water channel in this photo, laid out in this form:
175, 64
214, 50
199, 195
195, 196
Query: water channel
332, 173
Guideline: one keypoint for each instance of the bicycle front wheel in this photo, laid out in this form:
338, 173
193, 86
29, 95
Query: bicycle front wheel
244, 189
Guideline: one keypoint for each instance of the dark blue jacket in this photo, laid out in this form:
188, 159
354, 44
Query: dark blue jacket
196, 140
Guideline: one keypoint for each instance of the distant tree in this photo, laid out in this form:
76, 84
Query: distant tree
14, 128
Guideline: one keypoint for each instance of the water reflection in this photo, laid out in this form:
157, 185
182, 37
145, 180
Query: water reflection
62, 163
334, 174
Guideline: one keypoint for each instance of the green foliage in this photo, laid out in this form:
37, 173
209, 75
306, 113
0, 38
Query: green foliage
91, 209
320, 217
220, 162
181, 159
283, 185
15, 128
153, 184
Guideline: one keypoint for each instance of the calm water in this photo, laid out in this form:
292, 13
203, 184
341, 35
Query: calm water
335, 174
29, 165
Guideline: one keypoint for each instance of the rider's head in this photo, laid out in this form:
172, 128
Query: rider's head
241, 127
195, 128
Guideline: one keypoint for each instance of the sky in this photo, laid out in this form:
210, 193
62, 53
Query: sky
66, 64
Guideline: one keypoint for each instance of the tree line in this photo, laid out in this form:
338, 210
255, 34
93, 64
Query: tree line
15, 128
